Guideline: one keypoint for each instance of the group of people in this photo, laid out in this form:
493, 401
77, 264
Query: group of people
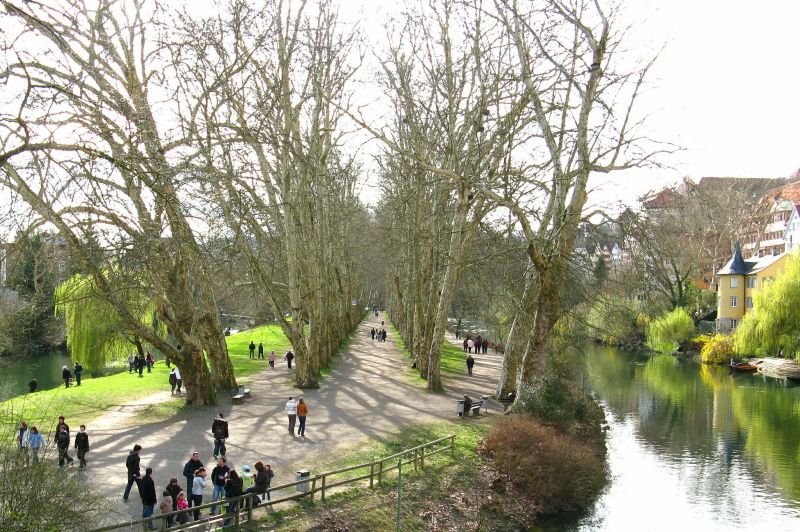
288, 357
32, 442
225, 481
140, 361
380, 334
66, 374
478, 344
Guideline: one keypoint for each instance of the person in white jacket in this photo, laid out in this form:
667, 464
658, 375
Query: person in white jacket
291, 411
23, 436
198, 487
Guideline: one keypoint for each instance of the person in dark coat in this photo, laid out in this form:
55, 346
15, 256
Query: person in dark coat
141, 365
62, 442
78, 372
262, 481
373, 333
189, 469
233, 489
219, 429
149, 498
252, 347
174, 490
61, 423
82, 445
260, 350
485, 346
289, 356
132, 465
33, 385
66, 374
470, 363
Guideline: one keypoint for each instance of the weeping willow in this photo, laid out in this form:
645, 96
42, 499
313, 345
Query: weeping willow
774, 325
95, 333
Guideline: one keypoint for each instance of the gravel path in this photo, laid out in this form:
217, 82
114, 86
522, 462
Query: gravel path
369, 394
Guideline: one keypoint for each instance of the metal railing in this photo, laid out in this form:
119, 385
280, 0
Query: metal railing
319, 484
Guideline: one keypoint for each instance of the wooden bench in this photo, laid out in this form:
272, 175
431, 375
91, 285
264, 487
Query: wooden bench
475, 407
239, 395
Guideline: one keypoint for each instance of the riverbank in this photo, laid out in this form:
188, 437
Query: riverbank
100, 395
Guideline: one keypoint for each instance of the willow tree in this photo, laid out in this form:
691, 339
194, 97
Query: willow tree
773, 328
89, 144
95, 333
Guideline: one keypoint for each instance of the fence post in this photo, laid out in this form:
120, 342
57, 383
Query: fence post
237, 518
453, 445
314, 487
323, 488
380, 472
422, 458
399, 479
371, 473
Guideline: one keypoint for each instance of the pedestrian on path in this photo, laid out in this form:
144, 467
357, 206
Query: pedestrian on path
485, 346
178, 380
218, 477
470, 363
470, 344
260, 351
131, 361
189, 469
465, 345
36, 442
373, 333
302, 412
132, 465
219, 428
165, 506
252, 347
173, 381
82, 445
272, 359
78, 372
174, 489
59, 425
23, 436
199, 484
62, 442
289, 356
148, 494
66, 374
291, 411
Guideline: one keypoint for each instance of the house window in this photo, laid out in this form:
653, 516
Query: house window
734, 282
733, 301
751, 281
733, 324
749, 302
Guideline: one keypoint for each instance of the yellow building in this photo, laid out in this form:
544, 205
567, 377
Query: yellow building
738, 281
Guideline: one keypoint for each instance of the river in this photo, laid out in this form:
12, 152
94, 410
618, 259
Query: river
16, 373
693, 447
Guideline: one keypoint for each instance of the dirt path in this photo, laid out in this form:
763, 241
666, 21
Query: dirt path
367, 395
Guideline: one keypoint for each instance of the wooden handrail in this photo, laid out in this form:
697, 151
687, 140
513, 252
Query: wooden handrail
246, 500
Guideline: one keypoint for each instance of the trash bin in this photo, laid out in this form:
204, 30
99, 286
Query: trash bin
460, 407
303, 474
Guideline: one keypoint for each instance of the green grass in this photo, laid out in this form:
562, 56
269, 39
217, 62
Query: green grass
98, 395
454, 360
362, 508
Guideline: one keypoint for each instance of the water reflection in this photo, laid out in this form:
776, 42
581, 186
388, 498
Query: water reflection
694, 447
15, 374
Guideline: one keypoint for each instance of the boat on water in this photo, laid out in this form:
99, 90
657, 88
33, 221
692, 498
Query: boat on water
744, 367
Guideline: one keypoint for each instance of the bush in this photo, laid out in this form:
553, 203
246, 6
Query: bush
670, 331
718, 350
557, 470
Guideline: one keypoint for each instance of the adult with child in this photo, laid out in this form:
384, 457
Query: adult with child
132, 465
78, 373
219, 429
62, 442
82, 445
147, 492
199, 484
219, 475
189, 469
262, 481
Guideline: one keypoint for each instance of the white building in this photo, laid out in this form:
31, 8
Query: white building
791, 235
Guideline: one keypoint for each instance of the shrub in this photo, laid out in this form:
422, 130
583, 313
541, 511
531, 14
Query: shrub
557, 470
670, 331
718, 350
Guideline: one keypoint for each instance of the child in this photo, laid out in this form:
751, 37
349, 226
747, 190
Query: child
183, 506
82, 445
166, 507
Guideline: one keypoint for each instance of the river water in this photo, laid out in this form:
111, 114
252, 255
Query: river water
15, 374
693, 447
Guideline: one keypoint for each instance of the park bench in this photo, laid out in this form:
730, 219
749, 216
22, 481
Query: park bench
475, 407
240, 394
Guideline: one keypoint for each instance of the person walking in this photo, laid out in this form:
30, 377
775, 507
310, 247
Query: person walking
252, 347
233, 489
132, 465
485, 346
173, 381
23, 436
199, 484
189, 469
78, 372
165, 506
82, 445
272, 359
66, 374
178, 380
289, 356
33, 385
131, 362
219, 428
373, 333
35, 442
141, 366
470, 363
62, 442
260, 351
465, 345
291, 411
148, 495
302, 412
148, 359
470, 344
61, 423
219, 475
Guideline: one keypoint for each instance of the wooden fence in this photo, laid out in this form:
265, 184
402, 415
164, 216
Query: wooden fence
310, 486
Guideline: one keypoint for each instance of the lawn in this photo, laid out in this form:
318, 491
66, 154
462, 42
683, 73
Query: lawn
97, 395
